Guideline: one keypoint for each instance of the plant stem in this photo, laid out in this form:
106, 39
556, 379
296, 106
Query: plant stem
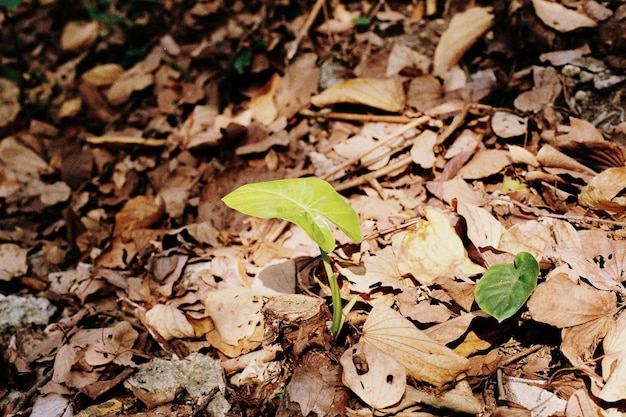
336, 295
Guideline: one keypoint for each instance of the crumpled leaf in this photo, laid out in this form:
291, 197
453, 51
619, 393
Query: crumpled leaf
385, 95
424, 358
581, 304
464, 30
12, 261
433, 250
169, 322
560, 17
614, 362
603, 192
375, 377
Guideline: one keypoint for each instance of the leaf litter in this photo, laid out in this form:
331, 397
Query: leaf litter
457, 155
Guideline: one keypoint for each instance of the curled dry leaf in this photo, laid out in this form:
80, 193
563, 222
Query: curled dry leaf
604, 192
169, 322
561, 18
385, 95
434, 249
582, 304
377, 378
79, 35
464, 30
103, 75
424, 358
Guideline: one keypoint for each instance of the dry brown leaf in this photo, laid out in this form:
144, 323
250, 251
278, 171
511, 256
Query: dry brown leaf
169, 322
138, 213
262, 103
424, 358
483, 229
135, 79
385, 95
79, 35
614, 362
20, 159
604, 192
582, 304
561, 18
451, 330
485, 164
520, 155
550, 157
402, 56
432, 250
580, 131
112, 344
459, 400
508, 125
379, 270
12, 261
379, 381
530, 236
464, 30
103, 75
9, 101
299, 83
547, 87
422, 151
236, 312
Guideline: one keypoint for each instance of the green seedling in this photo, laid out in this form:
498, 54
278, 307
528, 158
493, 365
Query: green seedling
10, 4
308, 203
504, 288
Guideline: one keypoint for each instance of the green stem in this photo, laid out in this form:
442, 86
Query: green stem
336, 295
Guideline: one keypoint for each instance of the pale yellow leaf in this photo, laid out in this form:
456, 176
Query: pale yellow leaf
169, 322
581, 304
434, 249
380, 381
560, 17
464, 30
235, 311
425, 359
385, 95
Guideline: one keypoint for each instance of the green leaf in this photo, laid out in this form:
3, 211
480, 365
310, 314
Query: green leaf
10, 4
303, 201
504, 288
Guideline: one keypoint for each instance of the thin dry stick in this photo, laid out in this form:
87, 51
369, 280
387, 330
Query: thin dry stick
400, 163
456, 122
414, 123
356, 117
305, 28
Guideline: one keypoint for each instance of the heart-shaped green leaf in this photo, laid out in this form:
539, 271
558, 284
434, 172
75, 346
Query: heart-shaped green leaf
303, 201
504, 288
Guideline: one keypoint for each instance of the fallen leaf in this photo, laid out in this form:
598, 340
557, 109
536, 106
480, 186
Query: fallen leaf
79, 35
485, 164
425, 359
483, 229
262, 103
103, 75
134, 79
508, 125
559, 17
464, 30
375, 377
614, 362
12, 261
169, 322
9, 101
112, 344
432, 250
582, 304
604, 192
140, 212
236, 312
385, 95
422, 151
520, 155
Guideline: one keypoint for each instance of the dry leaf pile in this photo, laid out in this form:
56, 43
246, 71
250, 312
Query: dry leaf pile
457, 143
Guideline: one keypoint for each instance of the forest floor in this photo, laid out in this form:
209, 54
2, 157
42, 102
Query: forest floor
475, 141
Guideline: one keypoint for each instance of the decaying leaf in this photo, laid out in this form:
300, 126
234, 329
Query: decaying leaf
12, 261
9, 101
582, 304
385, 95
434, 249
236, 312
424, 358
614, 362
141, 212
486, 163
560, 17
464, 30
377, 378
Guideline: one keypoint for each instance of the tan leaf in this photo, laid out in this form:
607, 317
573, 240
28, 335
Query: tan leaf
12, 261
433, 249
21, 159
530, 236
482, 228
422, 151
425, 359
508, 125
583, 303
111, 344
485, 164
379, 270
9, 101
135, 79
103, 75
614, 362
169, 322
464, 30
379, 381
138, 213
262, 102
604, 190
236, 312
561, 18
299, 83
520, 155
385, 95
79, 35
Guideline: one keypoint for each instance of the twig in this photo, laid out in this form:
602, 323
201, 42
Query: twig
33, 390
400, 163
291, 52
356, 117
204, 402
456, 122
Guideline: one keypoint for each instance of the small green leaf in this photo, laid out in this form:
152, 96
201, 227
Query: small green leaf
504, 288
303, 201
10, 4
